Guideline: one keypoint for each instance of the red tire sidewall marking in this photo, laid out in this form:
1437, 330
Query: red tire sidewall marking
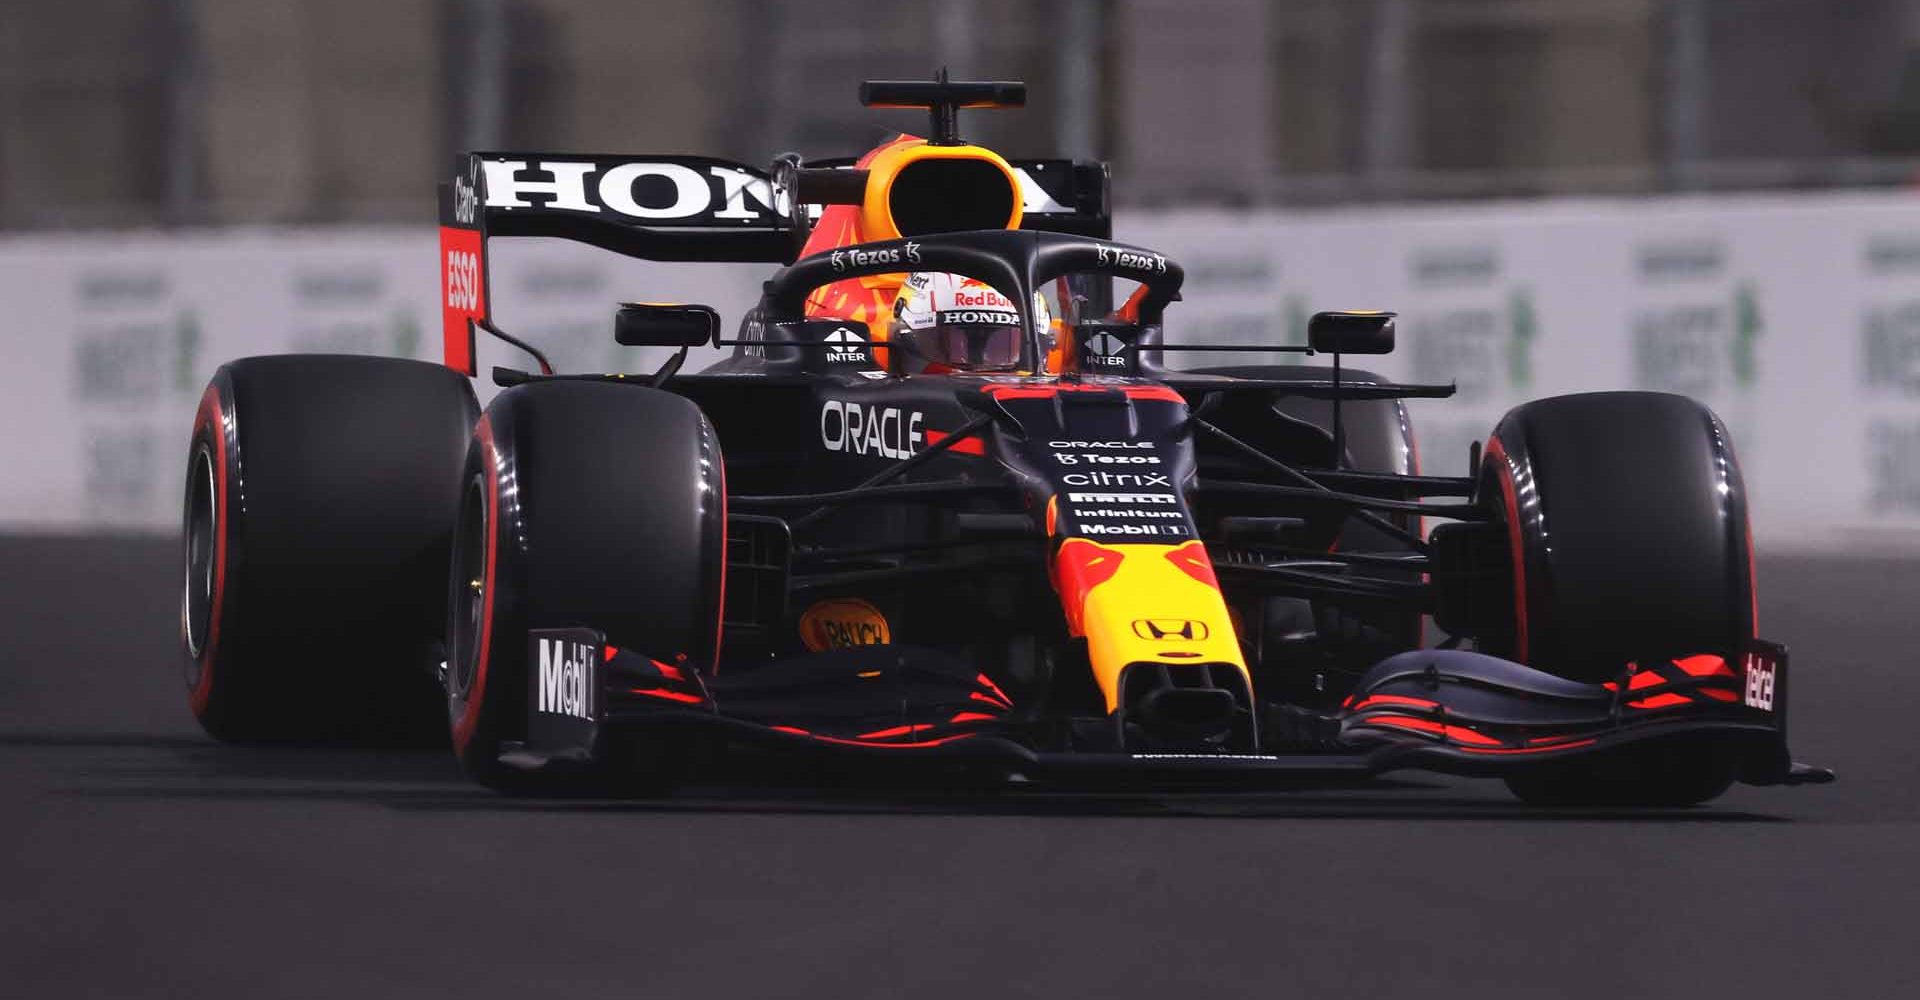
463, 728
1497, 453
212, 419
720, 612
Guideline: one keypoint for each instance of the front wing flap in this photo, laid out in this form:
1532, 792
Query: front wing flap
1438, 710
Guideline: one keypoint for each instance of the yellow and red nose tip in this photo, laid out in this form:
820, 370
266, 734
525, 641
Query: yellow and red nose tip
1143, 603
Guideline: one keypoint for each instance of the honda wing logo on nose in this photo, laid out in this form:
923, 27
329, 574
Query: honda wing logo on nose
1170, 629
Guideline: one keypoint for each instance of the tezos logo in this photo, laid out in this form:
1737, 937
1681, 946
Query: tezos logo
463, 280
907, 254
886, 431
1108, 255
566, 678
1099, 458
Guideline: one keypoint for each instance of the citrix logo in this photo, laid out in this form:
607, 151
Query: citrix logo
1135, 479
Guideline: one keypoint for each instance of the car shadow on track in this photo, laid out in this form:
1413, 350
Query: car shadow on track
136, 767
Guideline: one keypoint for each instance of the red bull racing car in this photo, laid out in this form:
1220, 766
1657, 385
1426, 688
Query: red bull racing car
959, 497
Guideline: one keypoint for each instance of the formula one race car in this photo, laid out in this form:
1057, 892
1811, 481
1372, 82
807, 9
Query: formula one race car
947, 503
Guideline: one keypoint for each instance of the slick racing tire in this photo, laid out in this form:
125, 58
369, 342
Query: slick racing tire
320, 498
585, 505
1626, 525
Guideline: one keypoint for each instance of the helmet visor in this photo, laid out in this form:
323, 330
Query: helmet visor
975, 346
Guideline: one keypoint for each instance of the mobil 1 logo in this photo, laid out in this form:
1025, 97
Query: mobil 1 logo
563, 688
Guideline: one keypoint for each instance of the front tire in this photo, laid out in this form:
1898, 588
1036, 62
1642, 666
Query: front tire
587, 505
1626, 521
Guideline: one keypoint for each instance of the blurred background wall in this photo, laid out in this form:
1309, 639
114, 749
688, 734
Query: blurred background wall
175, 112
1713, 197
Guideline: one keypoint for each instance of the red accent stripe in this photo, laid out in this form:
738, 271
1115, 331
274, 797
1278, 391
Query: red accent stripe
969, 445
663, 693
1667, 700
1538, 749
974, 717
891, 746
994, 689
1497, 453
1704, 665
1719, 695
215, 419
1394, 699
1645, 679
887, 734
1459, 733
1193, 560
1048, 390
470, 716
720, 612
668, 670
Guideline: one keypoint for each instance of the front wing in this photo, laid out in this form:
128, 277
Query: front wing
1436, 710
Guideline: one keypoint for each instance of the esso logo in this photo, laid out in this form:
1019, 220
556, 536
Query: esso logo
463, 280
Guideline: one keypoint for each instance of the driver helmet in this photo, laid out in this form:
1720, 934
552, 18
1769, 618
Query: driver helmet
945, 322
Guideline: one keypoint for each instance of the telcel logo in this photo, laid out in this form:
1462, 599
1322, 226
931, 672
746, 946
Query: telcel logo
1759, 693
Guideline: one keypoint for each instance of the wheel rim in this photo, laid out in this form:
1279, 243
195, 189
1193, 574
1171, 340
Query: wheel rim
203, 534
467, 597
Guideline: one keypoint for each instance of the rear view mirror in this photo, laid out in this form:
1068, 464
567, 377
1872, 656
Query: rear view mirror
651, 324
1354, 332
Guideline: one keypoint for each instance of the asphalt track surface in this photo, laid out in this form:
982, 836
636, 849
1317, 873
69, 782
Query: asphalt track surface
137, 858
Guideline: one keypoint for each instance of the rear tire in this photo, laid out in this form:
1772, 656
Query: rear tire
615, 521
320, 497
1626, 521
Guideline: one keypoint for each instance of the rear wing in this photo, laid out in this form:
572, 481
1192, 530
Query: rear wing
675, 208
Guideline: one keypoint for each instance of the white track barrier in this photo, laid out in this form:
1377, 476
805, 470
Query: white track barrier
1796, 318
